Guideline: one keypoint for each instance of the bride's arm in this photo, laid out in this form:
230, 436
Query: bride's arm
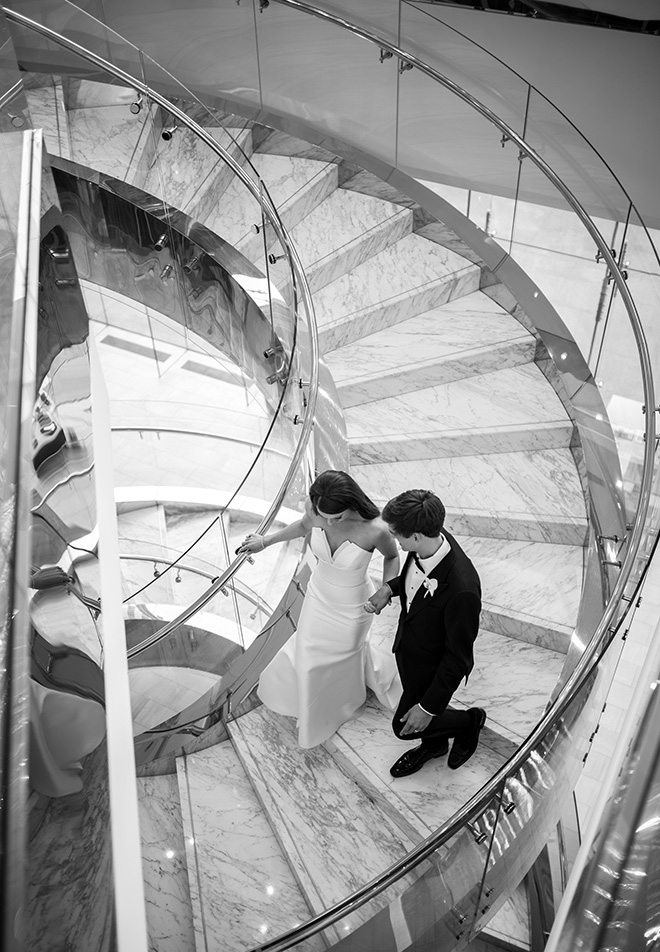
387, 546
296, 530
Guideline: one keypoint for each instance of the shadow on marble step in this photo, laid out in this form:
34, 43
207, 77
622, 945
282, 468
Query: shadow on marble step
441, 444
335, 837
438, 370
530, 629
562, 530
395, 310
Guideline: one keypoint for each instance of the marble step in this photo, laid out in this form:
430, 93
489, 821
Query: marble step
530, 590
242, 888
499, 411
164, 865
403, 281
346, 230
107, 137
47, 111
188, 175
533, 495
366, 748
296, 186
445, 343
335, 837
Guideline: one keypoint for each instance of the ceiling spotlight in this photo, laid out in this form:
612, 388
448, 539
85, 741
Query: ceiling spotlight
17, 121
161, 242
168, 132
263, 5
136, 106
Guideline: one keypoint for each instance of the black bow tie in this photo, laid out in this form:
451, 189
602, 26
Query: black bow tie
417, 562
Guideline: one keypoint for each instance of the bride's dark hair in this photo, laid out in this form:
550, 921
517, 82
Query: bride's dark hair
333, 491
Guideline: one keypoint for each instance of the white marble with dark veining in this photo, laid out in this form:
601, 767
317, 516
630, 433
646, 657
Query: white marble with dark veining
47, 112
335, 837
468, 442
167, 893
501, 398
410, 264
340, 220
245, 890
341, 328
458, 326
516, 495
110, 138
353, 253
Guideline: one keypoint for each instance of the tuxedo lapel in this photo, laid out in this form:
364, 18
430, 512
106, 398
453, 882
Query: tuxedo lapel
423, 597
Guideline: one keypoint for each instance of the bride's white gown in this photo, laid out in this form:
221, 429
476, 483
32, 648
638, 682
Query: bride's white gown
321, 674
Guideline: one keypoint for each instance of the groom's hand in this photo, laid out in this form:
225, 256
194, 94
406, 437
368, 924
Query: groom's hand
378, 600
415, 720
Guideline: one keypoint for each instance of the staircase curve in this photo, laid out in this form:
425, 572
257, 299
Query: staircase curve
436, 299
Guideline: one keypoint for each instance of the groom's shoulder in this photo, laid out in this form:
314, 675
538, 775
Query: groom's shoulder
463, 571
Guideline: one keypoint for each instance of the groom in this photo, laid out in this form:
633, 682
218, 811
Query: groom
440, 604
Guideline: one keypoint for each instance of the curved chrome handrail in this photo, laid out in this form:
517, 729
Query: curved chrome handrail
301, 285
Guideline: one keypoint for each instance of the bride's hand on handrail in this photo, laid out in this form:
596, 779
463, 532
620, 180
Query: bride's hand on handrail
251, 544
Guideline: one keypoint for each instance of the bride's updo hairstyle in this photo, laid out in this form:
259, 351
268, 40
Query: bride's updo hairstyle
334, 491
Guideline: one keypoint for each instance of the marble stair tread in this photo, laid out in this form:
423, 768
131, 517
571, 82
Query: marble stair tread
189, 175
366, 748
525, 495
345, 231
528, 585
500, 683
471, 441
400, 282
460, 325
110, 139
244, 889
515, 396
336, 839
164, 865
47, 112
295, 187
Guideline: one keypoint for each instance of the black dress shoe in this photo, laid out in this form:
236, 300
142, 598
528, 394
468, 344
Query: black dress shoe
465, 744
414, 759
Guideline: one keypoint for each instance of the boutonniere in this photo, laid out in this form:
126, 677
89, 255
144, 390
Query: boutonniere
430, 584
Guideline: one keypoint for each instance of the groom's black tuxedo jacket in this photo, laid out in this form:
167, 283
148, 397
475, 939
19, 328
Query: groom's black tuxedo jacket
436, 632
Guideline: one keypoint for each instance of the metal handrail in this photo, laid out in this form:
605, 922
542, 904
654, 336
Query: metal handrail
300, 281
141, 428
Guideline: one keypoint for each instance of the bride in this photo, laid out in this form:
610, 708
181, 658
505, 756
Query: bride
320, 675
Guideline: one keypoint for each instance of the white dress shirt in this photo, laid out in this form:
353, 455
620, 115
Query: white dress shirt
415, 575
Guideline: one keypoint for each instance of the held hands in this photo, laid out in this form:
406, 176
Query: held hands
251, 543
415, 720
378, 600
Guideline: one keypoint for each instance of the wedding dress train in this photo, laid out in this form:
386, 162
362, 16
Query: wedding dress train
321, 674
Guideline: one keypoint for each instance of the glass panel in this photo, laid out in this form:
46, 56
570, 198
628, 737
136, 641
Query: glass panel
464, 63
328, 64
471, 145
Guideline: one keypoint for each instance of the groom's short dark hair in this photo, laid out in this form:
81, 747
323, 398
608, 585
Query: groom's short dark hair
416, 510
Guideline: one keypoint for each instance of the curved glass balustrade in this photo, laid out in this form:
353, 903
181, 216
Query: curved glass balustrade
534, 155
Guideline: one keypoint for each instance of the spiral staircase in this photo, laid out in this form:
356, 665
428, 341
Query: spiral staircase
445, 384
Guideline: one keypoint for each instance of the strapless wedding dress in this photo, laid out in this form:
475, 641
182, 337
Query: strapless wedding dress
321, 674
